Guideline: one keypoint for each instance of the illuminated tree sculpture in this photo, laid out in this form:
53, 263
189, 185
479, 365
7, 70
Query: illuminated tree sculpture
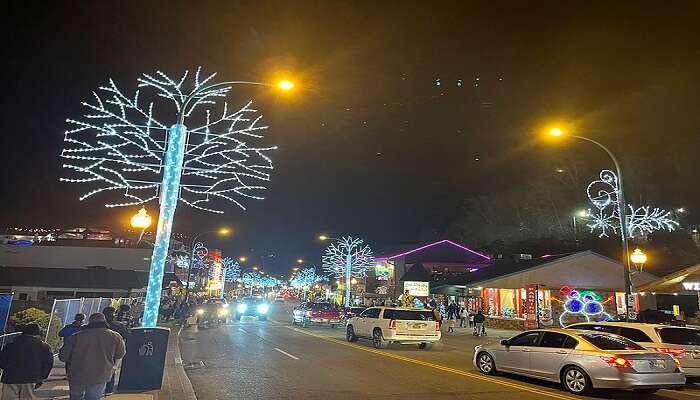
346, 258
232, 269
603, 193
139, 146
305, 277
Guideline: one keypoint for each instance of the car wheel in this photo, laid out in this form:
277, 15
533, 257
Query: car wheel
377, 339
486, 364
576, 381
350, 334
425, 346
646, 391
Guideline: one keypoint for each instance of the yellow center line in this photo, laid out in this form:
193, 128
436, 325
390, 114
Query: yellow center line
467, 374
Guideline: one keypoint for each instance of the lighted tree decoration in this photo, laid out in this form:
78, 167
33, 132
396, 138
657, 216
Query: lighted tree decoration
305, 277
346, 258
603, 193
124, 145
232, 269
252, 278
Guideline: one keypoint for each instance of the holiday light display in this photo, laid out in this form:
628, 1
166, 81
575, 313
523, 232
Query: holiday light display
305, 277
122, 145
603, 193
586, 304
232, 269
348, 257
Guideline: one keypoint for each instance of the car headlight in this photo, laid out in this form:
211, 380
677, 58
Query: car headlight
263, 308
223, 312
200, 311
242, 307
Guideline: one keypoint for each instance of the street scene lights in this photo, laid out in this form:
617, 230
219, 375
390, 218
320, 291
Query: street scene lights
638, 258
285, 85
141, 220
196, 246
621, 210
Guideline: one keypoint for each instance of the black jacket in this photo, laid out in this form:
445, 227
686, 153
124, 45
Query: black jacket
26, 360
479, 318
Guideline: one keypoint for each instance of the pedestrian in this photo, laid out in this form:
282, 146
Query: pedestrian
438, 317
91, 355
121, 329
462, 317
25, 364
471, 320
74, 327
451, 311
451, 325
479, 320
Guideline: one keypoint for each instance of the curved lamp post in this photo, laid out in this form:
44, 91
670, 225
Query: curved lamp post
621, 209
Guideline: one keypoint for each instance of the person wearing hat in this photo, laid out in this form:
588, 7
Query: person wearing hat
91, 356
25, 364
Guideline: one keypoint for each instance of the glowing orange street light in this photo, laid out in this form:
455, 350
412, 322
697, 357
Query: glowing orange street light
141, 220
285, 85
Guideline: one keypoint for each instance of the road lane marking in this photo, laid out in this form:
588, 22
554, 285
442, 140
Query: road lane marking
467, 374
286, 354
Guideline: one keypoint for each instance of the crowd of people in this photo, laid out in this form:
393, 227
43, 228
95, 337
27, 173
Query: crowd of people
451, 313
91, 353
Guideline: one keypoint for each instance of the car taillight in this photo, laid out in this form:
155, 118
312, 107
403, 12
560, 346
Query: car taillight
309, 313
678, 362
618, 362
437, 326
392, 324
677, 353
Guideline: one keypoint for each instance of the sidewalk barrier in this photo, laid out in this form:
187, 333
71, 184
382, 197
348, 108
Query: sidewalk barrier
63, 313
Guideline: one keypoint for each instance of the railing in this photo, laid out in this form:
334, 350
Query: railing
63, 313
7, 339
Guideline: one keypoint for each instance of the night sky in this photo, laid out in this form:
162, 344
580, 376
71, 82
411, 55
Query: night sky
369, 145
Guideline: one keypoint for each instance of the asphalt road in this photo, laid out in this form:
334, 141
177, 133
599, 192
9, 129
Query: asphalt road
251, 359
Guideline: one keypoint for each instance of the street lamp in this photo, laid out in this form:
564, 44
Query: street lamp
323, 237
221, 232
621, 210
141, 220
242, 259
300, 260
638, 258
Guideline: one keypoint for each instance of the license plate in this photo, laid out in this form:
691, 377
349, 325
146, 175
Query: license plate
658, 364
419, 326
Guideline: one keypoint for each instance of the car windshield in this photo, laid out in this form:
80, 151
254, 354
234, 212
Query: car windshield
409, 315
610, 342
684, 336
321, 306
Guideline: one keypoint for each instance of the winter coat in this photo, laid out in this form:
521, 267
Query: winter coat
119, 328
91, 354
69, 330
26, 360
479, 318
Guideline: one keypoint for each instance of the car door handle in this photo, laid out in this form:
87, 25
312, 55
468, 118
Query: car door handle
562, 352
525, 350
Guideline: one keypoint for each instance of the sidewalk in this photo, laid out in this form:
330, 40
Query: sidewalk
176, 384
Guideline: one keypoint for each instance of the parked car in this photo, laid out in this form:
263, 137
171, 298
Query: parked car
581, 361
212, 312
252, 306
385, 325
316, 313
680, 342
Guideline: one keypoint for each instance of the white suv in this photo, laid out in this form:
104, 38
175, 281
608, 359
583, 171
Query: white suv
680, 342
386, 325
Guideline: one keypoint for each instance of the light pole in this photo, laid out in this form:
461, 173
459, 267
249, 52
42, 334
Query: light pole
578, 214
348, 270
221, 232
621, 210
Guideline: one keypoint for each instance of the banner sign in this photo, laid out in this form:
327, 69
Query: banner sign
418, 289
532, 316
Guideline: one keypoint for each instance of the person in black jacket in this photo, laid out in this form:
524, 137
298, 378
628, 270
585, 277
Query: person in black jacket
25, 364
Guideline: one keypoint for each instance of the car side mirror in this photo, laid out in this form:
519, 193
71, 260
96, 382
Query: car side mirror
505, 342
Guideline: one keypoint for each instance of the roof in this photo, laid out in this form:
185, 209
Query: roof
417, 273
583, 269
473, 256
78, 278
673, 282
622, 324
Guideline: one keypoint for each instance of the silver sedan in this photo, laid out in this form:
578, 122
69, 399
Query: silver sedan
581, 361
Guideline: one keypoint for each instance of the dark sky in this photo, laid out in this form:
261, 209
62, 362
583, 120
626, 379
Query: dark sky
369, 145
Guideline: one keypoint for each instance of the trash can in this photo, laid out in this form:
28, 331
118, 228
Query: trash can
144, 363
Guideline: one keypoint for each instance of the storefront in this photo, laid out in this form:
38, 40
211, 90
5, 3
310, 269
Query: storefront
676, 294
547, 291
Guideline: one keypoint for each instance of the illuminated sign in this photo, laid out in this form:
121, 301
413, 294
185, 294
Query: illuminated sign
420, 289
383, 271
691, 286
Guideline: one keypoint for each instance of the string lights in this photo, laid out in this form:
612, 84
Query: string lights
348, 257
603, 193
